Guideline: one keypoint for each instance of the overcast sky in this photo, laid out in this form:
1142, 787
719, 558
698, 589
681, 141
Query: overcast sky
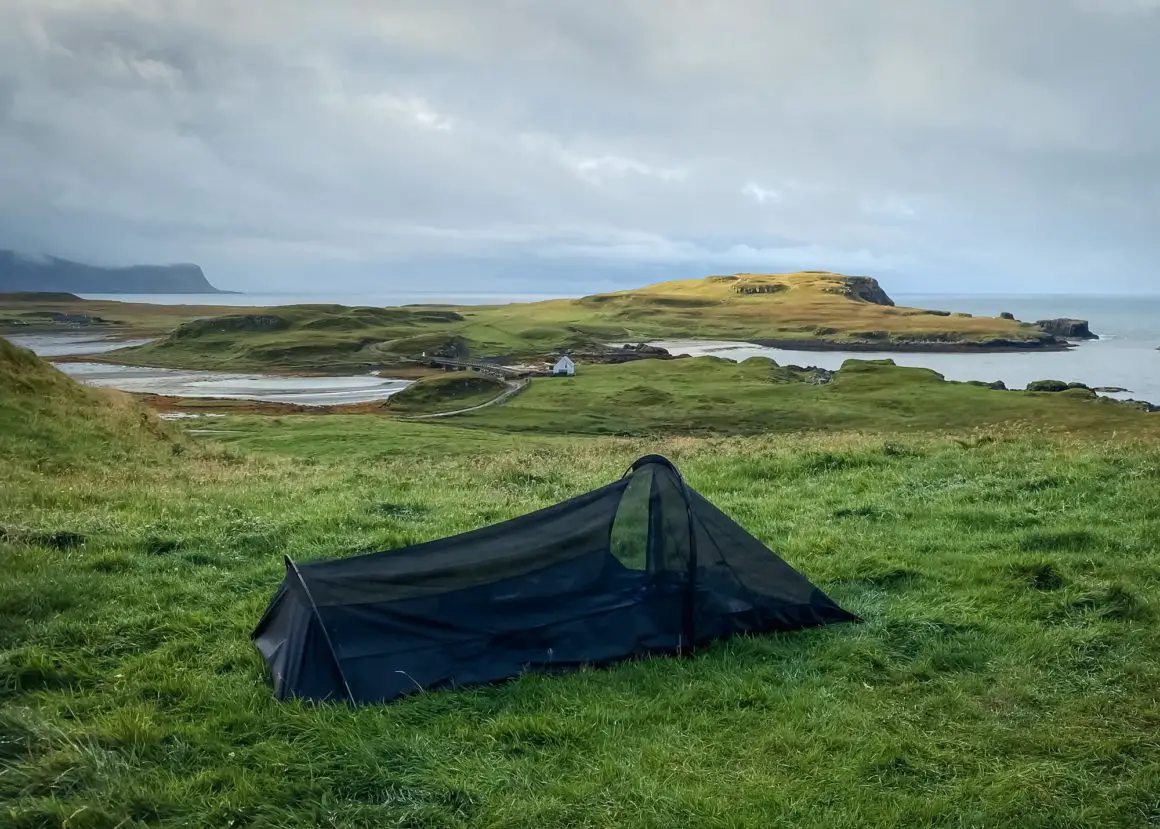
941, 145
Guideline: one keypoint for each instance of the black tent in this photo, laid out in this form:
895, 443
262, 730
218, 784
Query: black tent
642, 565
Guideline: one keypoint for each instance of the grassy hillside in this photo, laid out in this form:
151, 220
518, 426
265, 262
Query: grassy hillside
713, 395
304, 337
820, 307
1005, 675
801, 309
48, 420
446, 392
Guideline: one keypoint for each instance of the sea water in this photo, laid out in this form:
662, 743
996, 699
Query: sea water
1124, 356
302, 391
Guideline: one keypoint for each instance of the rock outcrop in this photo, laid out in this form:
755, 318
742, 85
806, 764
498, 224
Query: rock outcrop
759, 288
645, 349
1079, 391
867, 289
48, 273
1047, 385
81, 320
230, 323
1006, 315
997, 385
1069, 329
55, 318
625, 354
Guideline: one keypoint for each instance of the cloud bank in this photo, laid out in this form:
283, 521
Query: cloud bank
944, 146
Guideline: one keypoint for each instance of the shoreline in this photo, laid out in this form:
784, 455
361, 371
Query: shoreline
385, 371
912, 348
169, 403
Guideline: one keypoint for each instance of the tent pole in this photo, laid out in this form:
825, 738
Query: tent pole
290, 565
691, 595
689, 623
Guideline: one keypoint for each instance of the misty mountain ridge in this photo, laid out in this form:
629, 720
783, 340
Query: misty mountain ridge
21, 272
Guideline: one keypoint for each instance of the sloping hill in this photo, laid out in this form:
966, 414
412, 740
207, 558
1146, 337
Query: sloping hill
47, 420
810, 309
446, 392
313, 337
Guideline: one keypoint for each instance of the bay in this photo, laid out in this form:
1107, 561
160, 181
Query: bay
219, 385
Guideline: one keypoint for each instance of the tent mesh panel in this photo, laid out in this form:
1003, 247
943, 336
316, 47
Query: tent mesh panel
642, 565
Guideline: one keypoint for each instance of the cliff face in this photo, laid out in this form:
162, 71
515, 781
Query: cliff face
1070, 329
19, 273
866, 288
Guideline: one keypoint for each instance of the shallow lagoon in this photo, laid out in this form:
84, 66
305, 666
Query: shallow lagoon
300, 391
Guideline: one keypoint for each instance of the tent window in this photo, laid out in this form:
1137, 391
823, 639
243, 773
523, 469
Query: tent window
630, 528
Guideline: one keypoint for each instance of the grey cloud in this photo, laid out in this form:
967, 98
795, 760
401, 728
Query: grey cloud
940, 144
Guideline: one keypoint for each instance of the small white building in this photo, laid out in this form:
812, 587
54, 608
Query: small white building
564, 367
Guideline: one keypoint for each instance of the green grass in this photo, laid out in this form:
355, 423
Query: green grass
49, 422
24, 312
811, 308
710, 395
1005, 675
446, 392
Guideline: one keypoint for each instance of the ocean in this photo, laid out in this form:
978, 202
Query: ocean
1125, 356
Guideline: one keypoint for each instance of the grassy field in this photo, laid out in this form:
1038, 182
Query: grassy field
811, 309
1005, 675
32, 311
710, 395
445, 393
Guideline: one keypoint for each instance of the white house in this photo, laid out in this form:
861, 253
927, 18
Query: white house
564, 368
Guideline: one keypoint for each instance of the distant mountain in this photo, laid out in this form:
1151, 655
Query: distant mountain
48, 273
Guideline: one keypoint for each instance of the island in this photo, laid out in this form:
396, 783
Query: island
19, 273
805, 310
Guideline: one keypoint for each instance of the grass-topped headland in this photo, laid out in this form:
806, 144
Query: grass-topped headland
800, 310
814, 309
